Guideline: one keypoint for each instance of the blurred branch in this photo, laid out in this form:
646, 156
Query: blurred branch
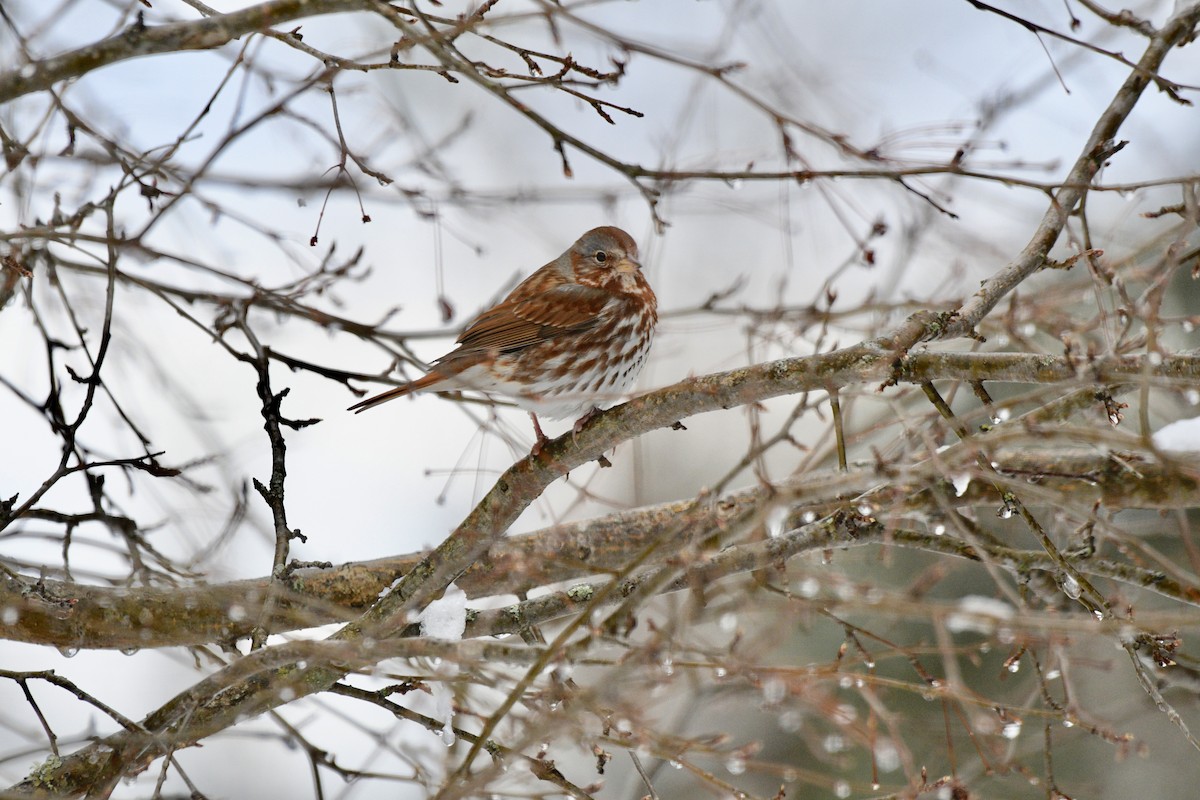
1169, 87
71, 615
256, 681
140, 39
1100, 146
922, 492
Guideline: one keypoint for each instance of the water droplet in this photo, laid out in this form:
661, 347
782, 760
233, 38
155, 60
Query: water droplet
129, 651
1155, 358
1002, 415
961, 482
1068, 723
1028, 329
845, 681
720, 672
774, 689
675, 764
728, 622
939, 530
1071, 587
668, 666
775, 519
68, 652
1011, 730
790, 721
237, 613
887, 756
808, 517
9, 615
736, 765
833, 743
1188, 326
1014, 666
1192, 396
841, 789
1053, 675
287, 694
809, 587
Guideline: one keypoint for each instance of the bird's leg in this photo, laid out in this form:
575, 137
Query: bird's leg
540, 438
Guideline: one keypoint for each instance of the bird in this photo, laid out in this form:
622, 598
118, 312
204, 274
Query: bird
569, 338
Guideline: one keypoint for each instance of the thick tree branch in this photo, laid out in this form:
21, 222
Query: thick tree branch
69, 615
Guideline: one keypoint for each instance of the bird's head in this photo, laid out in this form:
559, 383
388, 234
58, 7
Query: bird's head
607, 258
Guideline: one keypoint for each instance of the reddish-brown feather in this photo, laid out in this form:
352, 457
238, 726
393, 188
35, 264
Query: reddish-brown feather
571, 336
510, 325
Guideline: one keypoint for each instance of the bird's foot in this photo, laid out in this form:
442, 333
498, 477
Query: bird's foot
584, 420
602, 460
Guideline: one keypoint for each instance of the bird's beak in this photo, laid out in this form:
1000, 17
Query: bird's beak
627, 266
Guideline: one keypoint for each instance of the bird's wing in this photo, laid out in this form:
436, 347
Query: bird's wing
512, 326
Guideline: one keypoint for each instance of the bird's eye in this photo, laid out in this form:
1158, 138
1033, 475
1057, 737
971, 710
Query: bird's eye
600, 256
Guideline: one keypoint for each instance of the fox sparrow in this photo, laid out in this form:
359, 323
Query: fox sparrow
570, 337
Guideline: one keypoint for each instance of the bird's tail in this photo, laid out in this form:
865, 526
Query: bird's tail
423, 382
